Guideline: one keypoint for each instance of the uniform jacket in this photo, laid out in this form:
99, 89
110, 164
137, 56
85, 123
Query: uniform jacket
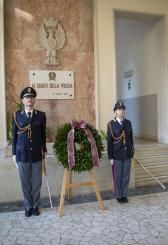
120, 150
29, 149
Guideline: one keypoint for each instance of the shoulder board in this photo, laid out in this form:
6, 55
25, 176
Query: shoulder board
17, 112
37, 111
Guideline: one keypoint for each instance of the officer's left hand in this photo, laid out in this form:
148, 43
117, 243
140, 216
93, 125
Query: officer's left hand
111, 161
14, 159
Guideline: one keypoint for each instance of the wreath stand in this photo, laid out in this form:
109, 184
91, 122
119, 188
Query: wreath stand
68, 185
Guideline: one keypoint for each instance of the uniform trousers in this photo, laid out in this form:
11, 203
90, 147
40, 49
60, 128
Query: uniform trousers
31, 181
121, 176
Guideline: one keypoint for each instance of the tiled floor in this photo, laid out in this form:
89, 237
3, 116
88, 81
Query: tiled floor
144, 220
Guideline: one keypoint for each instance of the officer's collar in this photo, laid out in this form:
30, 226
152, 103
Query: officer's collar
26, 111
118, 119
31, 111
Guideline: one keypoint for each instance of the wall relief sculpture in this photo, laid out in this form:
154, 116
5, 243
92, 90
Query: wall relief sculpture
52, 37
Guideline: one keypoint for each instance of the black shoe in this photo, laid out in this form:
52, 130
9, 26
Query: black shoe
36, 212
125, 200
28, 212
120, 200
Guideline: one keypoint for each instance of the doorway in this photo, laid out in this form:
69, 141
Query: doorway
141, 72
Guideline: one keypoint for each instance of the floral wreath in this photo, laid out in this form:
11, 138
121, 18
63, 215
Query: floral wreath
78, 146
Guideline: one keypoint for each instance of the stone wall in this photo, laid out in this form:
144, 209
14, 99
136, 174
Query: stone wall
23, 52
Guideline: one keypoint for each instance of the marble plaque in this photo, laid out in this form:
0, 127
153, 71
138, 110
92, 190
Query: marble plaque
51, 84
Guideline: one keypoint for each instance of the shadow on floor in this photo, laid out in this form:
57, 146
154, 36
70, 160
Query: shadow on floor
84, 198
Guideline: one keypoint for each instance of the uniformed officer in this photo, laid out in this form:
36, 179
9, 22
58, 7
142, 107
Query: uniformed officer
120, 151
29, 146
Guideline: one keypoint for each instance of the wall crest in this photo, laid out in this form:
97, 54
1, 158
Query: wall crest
52, 38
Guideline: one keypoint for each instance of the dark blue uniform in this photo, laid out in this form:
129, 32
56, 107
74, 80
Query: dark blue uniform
121, 150
29, 141
29, 149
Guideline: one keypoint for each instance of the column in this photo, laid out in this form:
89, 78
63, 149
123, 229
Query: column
3, 130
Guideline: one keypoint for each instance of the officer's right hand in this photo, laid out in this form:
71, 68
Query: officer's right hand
14, 159
112, 162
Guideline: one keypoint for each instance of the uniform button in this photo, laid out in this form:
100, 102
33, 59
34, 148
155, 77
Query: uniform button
30, 140
31, 149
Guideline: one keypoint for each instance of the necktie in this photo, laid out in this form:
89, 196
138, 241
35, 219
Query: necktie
121, 122
29, 116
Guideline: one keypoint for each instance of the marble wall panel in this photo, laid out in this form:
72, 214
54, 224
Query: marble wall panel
23, 52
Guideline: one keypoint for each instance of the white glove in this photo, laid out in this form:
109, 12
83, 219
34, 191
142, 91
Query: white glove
112, 162
14, 159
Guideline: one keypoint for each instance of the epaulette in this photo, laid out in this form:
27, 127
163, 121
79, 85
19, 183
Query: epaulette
113, 120
18, 112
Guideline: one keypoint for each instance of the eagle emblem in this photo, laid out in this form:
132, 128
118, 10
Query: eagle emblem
52, 37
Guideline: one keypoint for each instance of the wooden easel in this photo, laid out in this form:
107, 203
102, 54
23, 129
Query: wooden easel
68, 185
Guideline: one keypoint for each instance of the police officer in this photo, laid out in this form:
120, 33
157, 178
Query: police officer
120, 151
29, 146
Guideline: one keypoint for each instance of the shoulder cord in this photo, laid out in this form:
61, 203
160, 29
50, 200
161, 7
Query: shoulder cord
121, 137
22, 130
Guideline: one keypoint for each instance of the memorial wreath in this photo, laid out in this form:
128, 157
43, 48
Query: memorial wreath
78, 146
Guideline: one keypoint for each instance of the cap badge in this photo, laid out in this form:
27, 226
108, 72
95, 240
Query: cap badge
29, 90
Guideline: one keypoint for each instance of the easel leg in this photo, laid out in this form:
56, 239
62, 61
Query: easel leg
61, 207
92, 177
69, 182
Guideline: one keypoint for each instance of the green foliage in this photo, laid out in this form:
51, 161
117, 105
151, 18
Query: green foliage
103, 135
18, 105
83, 156
48, 132
10, 130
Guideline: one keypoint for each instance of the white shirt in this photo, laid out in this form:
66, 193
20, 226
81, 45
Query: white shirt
29, 111
119, 120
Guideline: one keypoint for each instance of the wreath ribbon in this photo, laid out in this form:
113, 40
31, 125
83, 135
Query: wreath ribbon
71, 151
